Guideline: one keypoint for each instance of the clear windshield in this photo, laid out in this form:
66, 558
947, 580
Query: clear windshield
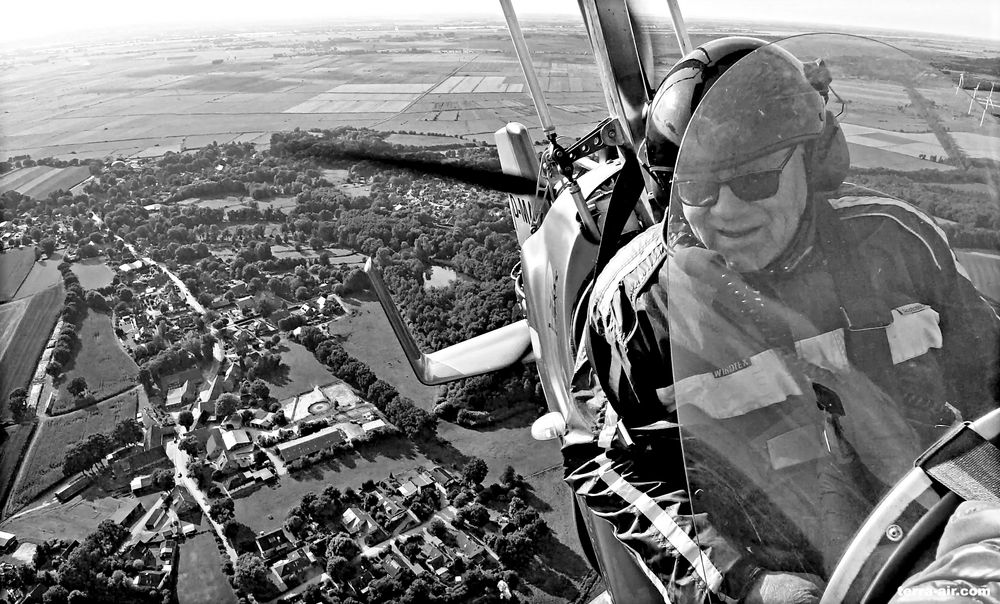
822, 333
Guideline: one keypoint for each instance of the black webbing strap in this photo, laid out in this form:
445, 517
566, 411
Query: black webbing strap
965, 463
866, 315
624, 196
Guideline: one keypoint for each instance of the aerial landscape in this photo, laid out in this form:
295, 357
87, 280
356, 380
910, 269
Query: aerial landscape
202, 399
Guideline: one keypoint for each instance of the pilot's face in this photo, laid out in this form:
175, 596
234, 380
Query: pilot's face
750, 234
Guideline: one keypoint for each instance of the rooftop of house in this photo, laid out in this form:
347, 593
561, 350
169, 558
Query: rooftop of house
271, 540
236, 439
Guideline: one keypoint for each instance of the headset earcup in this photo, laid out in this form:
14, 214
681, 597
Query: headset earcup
831, 158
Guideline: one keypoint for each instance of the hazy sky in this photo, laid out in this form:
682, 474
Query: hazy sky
52, 19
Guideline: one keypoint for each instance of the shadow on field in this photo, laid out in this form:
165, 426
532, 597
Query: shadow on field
357, 298
521, 418
393, 448
560, 557
443, 453
533, 501
243, 538
548, 579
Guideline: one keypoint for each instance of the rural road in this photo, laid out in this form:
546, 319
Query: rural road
191, 300
180, 459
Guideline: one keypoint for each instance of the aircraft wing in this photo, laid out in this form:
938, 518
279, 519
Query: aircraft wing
482, 354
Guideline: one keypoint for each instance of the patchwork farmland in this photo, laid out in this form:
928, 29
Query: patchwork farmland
162, 100
39, 181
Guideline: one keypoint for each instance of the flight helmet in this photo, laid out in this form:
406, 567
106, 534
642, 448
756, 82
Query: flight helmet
668, 114
770, 101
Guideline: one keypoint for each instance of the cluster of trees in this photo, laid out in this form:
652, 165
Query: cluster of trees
975, 211
251, 576
83, 455
72, 312
156, 358
17, 403
95, 572
517, 542
321, 509
222, 510
340, 551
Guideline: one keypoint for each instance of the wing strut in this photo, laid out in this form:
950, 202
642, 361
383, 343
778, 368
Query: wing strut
488, 352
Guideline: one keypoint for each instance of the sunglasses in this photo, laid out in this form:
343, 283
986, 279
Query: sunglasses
748, 187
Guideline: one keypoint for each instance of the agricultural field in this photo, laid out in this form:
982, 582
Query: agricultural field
200, 572
424, 141
39, 181
15, 264
984, 270
44, 274
163, 99
864, 156
93, 273
25, 327
100, 360
43, 466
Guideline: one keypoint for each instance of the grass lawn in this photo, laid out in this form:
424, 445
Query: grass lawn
367, 336
280, 203
220, 203
200, 573
94, 273
304, 372
100, 360
43, 467
44, 274
265, 508
72, 520
24, 330
15, 264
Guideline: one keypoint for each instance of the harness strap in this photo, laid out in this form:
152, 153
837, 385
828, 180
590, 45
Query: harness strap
624, 196
965, 463
866, 316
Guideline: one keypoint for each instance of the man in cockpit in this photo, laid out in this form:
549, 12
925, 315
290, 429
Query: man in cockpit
827, 287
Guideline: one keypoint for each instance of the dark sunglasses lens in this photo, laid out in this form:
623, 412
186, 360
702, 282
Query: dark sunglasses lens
697, 193
757, 186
